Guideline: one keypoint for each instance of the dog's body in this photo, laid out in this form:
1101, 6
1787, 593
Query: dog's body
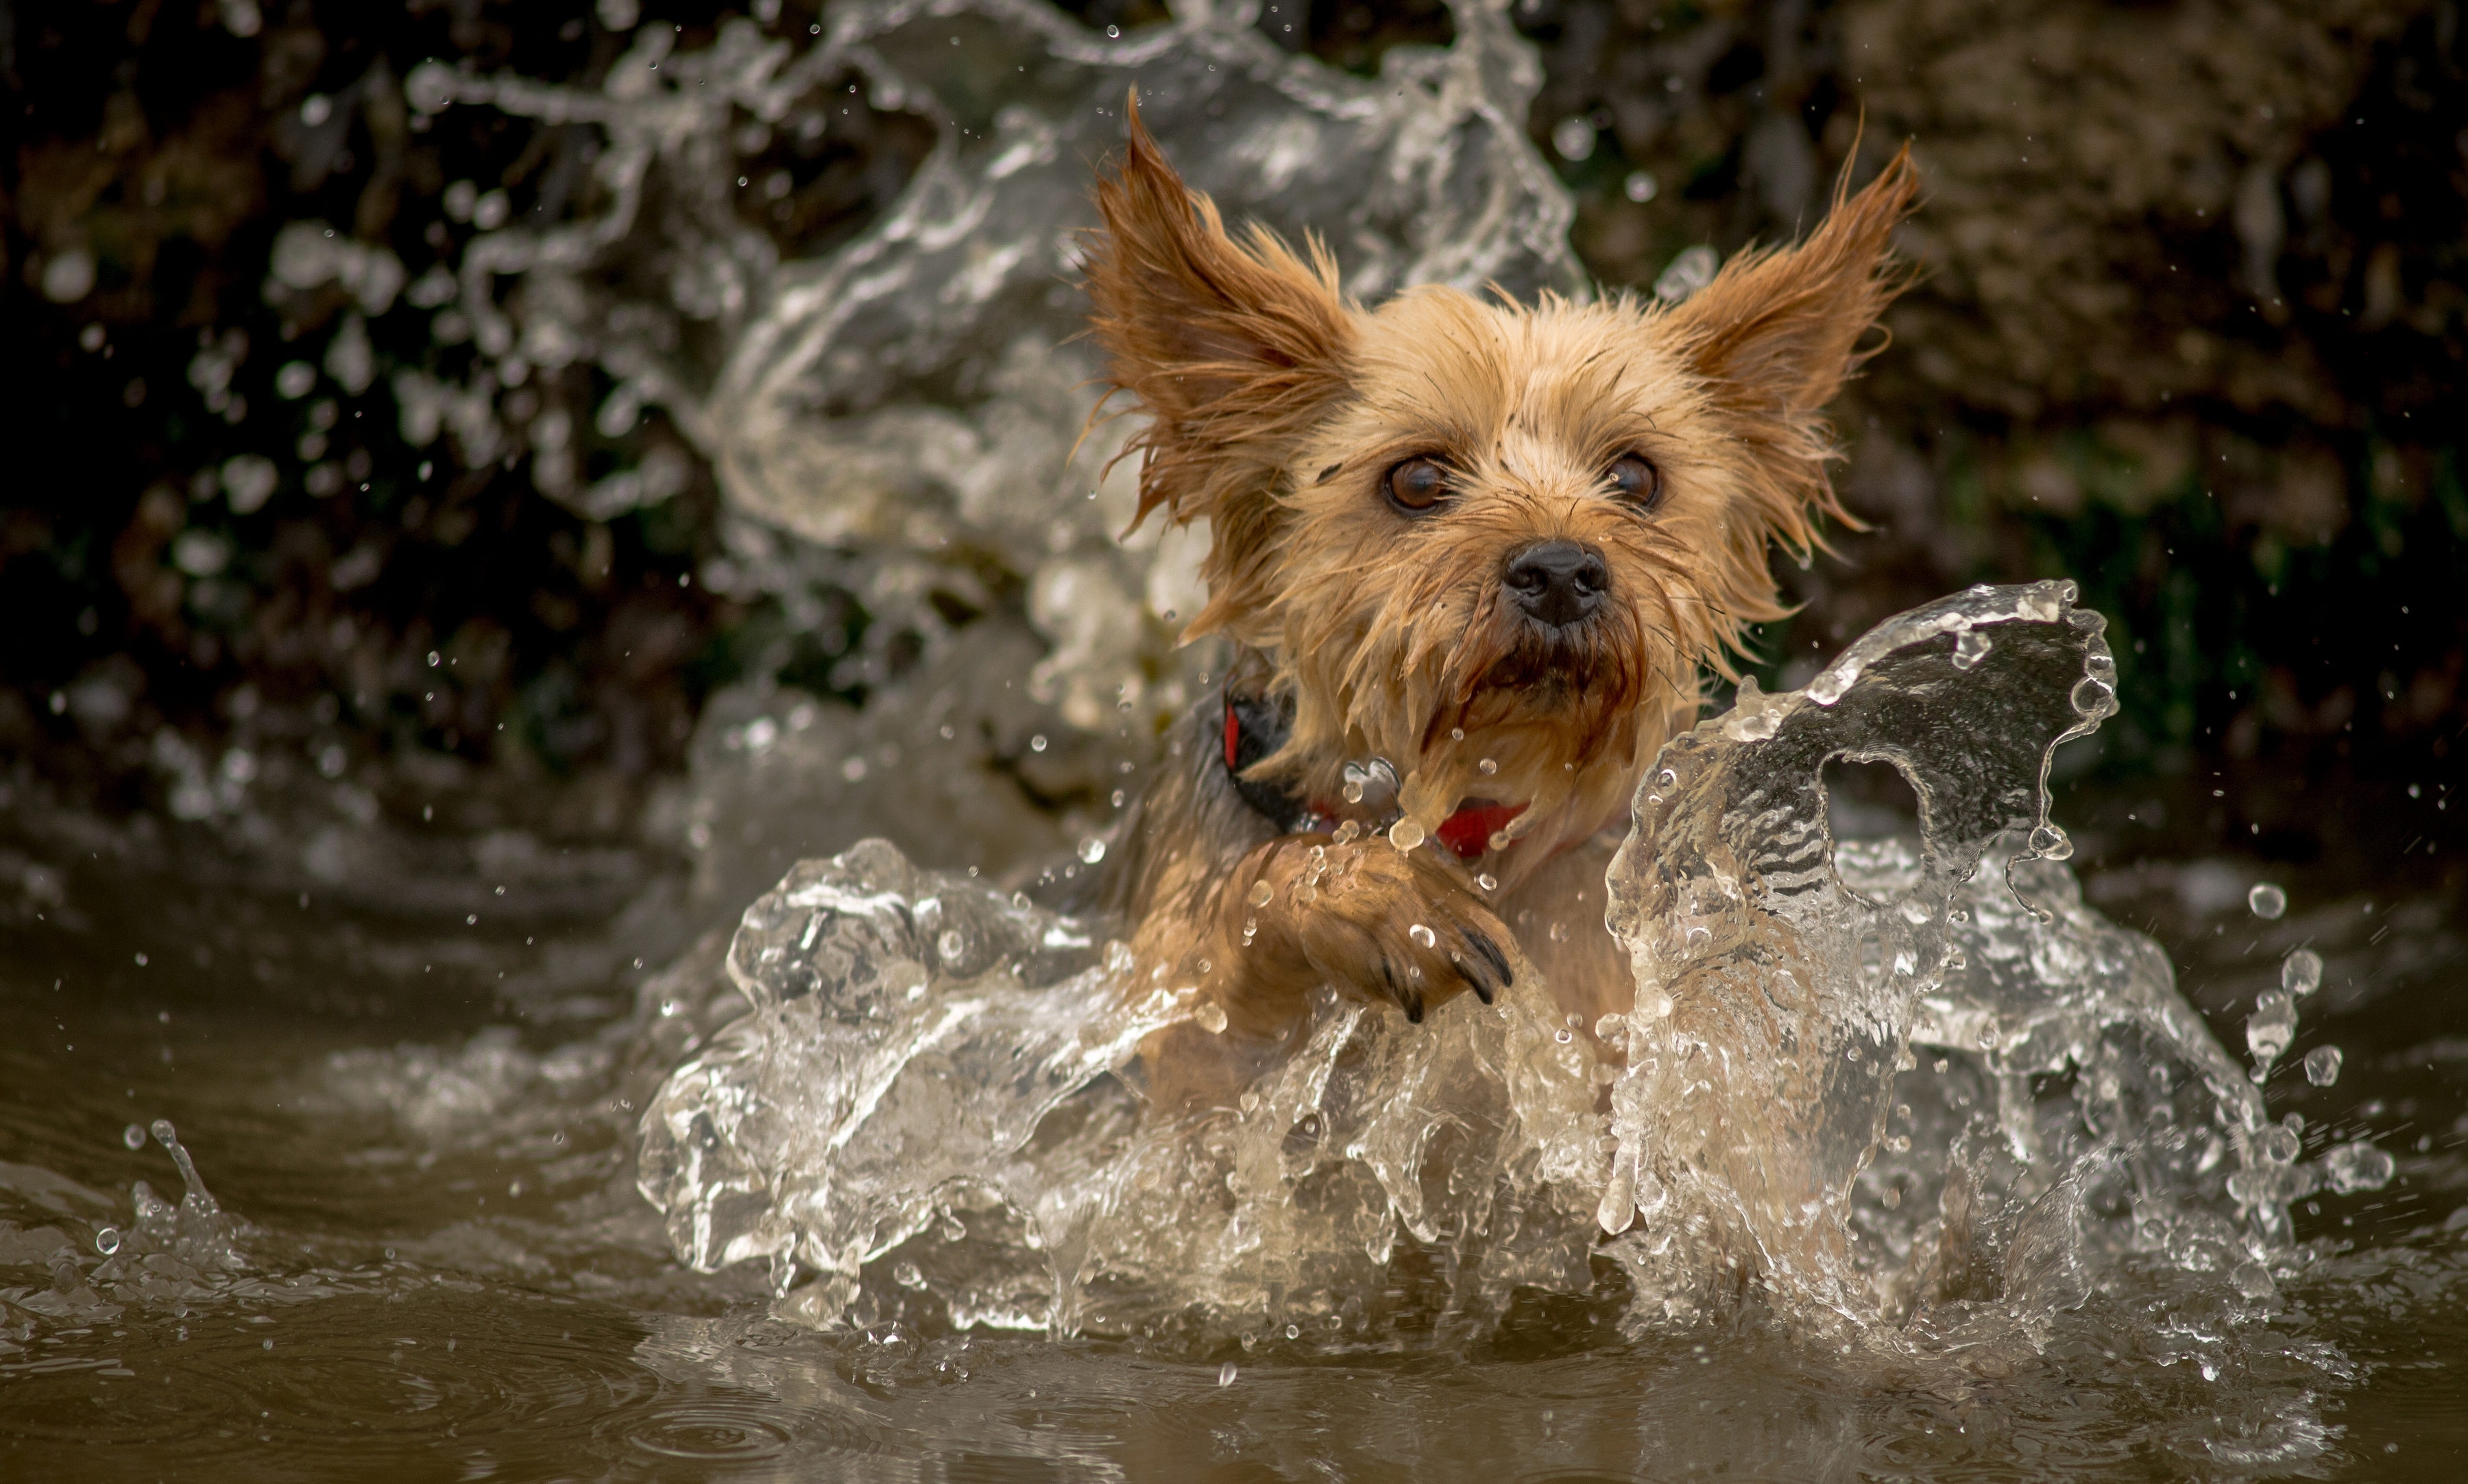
1470, 557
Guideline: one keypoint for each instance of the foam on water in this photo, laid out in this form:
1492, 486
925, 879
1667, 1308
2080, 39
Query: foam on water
1914, 1098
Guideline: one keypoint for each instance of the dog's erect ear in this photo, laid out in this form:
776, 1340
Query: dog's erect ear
1235, 348
1777, 333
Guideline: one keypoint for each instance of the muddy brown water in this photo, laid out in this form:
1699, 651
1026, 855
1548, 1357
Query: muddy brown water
430, 1262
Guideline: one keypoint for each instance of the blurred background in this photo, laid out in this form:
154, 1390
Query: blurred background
2190, 333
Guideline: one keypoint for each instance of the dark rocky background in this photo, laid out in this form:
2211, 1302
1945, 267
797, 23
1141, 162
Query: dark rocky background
2191, 330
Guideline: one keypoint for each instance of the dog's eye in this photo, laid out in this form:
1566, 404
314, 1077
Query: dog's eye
1636, 480
1417, 484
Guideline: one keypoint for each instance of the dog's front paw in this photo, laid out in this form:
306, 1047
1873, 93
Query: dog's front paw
1394, 924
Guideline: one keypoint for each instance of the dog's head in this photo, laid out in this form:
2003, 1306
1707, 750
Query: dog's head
1492, 544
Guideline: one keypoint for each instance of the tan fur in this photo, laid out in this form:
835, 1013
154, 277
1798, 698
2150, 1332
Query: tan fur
1278, 408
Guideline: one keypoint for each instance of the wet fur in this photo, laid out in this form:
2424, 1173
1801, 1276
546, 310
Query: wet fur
1278, 408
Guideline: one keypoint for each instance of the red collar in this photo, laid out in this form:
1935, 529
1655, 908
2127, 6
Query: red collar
1467, 832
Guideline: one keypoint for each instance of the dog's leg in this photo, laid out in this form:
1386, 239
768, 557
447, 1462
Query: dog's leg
1557, 915
1300, 911
1255, 922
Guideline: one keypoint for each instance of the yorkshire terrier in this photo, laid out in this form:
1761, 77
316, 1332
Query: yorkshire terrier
1472, 558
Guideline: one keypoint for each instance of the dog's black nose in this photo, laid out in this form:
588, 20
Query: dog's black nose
1558, 583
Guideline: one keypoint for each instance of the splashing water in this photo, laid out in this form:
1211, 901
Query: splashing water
902, 418
1909, 1094
919, 393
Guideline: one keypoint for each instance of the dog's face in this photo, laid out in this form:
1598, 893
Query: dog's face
1489, 543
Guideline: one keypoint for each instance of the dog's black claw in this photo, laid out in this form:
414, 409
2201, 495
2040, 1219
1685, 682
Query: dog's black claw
1412, 1006
1482, 943
1476, 976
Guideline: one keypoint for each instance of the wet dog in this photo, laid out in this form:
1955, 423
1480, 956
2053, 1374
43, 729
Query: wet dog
1472, 558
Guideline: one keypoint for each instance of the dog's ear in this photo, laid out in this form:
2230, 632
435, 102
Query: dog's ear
1235, 348
1777, 333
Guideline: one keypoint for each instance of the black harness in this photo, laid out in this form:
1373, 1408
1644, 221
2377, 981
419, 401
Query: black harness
1255, 726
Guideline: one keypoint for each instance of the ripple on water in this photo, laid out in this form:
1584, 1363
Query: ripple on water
528, 1376
715, 1430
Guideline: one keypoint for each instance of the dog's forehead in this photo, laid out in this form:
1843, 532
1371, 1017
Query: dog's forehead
1440, 357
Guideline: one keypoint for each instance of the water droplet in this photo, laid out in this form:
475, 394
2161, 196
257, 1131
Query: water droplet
107, 1239
2300, 973
2050, 843
1487, 767
2322, 1066
1970, 649
2270, 1027
2253, 1280
1405, 834
133, 1136
1112, 32
907, 1275
2280, 1144
951, 946
1211, 1016
1262, 894
1093, 850
1226, 1373
2267, 900
1423, 935
1487, 881
1037, 744
2359, 1166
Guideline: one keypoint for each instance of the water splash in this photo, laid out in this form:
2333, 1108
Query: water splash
1912, 1093
919, 392
195, 1233
898, 422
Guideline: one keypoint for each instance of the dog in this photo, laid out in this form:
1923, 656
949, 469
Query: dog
1472, 558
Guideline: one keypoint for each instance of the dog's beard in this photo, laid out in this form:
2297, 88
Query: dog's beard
1556, 713
1472, 700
